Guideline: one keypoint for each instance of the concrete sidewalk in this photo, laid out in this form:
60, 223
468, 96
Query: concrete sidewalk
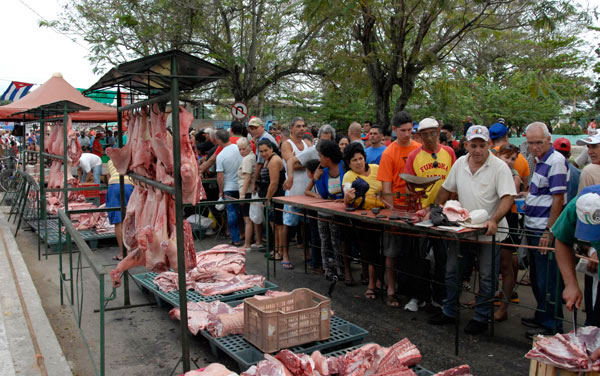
28, 345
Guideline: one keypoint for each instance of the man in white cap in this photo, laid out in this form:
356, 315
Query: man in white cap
482, 181
579, 221
590, 175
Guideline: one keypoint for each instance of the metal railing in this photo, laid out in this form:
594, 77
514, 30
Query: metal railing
72, 287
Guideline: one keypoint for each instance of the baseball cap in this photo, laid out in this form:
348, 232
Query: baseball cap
588, 214
590, 140
255, 122
427, 123
562, 144
478, 131
501, 120
498, 130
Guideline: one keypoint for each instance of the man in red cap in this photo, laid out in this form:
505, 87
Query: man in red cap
563, 146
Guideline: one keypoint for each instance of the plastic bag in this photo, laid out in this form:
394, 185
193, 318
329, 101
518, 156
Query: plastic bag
257, 214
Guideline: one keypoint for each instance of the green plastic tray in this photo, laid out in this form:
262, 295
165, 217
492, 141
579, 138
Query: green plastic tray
172, 298
343, 333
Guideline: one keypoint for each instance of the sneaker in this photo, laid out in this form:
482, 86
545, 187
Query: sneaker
539, 331
530, 322
475, 327
441, 319
412, 305
514, 298
436, 304
466, 285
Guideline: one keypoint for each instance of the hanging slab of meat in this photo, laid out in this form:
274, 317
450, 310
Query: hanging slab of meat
134, 258
152, 231
215, 369
162, 141
403, 353
463, 370
143, 161
73, 148
134, 208
192, 189
568, 351
121, 157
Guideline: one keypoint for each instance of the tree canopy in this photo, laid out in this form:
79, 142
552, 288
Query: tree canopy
337, 61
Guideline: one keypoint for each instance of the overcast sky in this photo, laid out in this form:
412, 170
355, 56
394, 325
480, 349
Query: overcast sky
32, 54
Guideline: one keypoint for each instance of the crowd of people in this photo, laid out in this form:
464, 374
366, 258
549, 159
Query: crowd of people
361, 168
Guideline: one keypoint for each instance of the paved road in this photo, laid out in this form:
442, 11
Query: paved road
144, 341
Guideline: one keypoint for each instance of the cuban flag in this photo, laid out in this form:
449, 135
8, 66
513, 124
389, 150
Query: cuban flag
15, 91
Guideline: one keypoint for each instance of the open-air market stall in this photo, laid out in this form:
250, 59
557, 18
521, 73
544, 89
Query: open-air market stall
62, 147
160, 78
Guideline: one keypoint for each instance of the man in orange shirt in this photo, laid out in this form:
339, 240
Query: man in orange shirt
499, 137
431, 159
391, 165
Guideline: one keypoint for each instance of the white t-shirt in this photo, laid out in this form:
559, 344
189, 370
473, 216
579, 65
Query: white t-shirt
88, 161
228, 162
247, 166
484, 189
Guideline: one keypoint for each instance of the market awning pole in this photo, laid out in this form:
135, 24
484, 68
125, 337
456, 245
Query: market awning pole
185, 340
126, 299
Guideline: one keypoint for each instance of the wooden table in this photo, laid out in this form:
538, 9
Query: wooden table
339, 209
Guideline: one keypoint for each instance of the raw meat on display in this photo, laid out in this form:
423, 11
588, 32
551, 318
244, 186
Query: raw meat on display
568, 351
297, 364
121, 157
463, 370
202, 315
454, 211
149, 226
215, 369
149, 152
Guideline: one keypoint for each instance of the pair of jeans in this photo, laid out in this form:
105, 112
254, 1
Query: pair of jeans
315, 240
96, 171
233, 216
486, 254
543, 272
331, 244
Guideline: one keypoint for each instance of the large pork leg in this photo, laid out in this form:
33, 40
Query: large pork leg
133, 259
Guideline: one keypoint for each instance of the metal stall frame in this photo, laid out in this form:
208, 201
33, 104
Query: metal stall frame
160, 78
56, 111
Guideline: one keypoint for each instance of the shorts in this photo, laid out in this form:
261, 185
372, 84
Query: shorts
367, 236
514, 237
113, 199
394, 244
290, 219
245, 208
276, 214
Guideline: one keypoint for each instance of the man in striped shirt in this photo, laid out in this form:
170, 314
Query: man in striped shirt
544, 204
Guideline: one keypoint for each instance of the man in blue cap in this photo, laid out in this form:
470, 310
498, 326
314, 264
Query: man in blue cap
580, 220
499, 137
